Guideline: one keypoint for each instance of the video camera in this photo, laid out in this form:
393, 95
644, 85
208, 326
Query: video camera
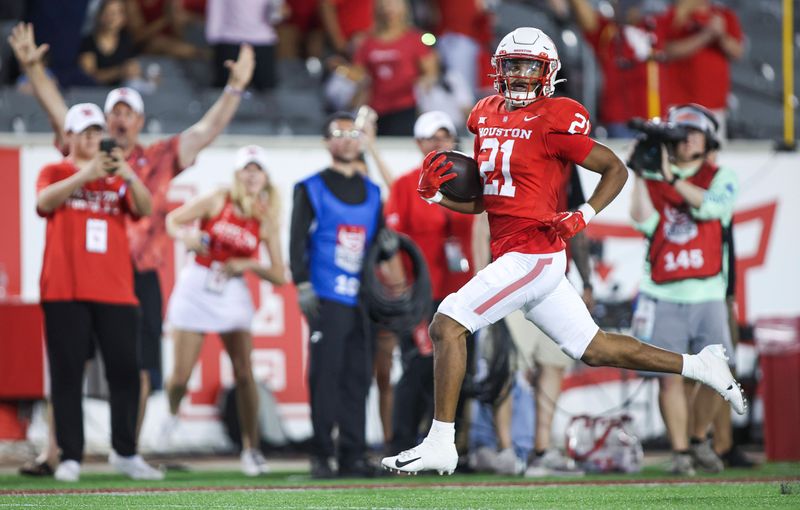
652, 135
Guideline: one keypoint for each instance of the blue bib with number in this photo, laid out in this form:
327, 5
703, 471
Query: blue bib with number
340, 240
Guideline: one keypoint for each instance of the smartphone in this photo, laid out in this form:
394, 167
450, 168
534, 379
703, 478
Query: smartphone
107, 145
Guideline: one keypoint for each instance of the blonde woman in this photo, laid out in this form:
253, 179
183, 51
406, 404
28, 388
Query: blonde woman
211, 295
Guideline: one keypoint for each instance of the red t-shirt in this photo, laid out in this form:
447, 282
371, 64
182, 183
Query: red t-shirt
354, 16
523, 156
624, 93
155, 165
460, 17
394, 67
429, 227
704, 77
230, 235
86, 254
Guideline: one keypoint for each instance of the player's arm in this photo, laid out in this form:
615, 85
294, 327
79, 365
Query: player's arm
473, 207
613, 175
30, 58
201, 134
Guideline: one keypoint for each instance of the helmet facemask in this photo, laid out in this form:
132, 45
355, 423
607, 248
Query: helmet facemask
523, 79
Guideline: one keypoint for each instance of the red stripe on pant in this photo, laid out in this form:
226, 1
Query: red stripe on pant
537, 270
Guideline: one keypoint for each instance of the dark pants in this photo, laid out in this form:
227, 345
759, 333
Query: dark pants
71, 327
265, 76
340, 374
413, 400
148, 292
400, 123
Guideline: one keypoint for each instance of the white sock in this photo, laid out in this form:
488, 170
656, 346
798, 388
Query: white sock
692, 366
443, 431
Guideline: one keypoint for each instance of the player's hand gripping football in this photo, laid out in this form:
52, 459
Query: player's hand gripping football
433, 176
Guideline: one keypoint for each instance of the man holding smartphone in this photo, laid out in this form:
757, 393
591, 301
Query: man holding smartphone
155, 165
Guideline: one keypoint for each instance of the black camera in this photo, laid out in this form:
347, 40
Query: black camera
652, 135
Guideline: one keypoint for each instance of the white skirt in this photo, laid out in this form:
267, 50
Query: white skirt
199, 304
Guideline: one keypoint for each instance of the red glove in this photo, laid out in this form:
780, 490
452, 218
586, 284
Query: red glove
567, 224
433, 176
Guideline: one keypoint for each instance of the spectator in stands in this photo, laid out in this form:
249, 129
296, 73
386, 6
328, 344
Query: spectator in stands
346, 23
86, 288
395, 60
449, 94
300, 35
335, 219
155, 164
700, 39
157, 27
622, 45
108, 54
229, 23
211, 295
461, 29
60, 25
445, 240
683, 210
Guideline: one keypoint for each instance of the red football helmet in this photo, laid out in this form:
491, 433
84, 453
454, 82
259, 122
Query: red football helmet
526, 63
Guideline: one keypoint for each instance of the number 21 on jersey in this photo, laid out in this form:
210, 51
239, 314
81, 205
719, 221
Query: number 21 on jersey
494, 187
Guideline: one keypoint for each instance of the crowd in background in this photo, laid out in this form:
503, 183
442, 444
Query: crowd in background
402, 57
373, 53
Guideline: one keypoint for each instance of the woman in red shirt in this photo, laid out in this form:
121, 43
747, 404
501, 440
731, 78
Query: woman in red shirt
395, 59
86, 288
211, 295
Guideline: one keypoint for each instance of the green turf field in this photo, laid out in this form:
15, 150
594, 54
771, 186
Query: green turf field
770, 486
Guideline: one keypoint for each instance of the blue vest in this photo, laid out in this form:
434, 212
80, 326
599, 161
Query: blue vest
340, 240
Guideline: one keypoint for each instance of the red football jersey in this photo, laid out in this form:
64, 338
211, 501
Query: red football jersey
524, 157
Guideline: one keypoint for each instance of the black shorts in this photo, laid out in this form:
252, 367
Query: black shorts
148, 291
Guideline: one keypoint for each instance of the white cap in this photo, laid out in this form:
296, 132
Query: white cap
82, 116
125, 95
430, 122
251, 154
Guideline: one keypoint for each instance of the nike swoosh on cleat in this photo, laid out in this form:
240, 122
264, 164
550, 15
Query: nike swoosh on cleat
403, 464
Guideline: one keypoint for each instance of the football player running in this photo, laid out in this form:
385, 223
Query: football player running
524, 142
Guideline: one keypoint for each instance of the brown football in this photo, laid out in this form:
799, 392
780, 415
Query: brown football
467, 185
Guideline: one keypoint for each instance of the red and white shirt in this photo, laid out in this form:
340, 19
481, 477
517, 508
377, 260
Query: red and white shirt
86, 255
524, 159
230, 235
430, 227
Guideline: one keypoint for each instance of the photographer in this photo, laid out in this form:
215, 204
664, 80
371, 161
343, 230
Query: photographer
683, 203
86, 287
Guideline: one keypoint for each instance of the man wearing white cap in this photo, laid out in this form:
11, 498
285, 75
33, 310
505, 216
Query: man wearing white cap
155, 165
684, 211
86, 287
445, 239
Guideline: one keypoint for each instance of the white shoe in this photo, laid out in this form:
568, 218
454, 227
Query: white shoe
134, 467
253, 462
483, 459
68, 471
552, 463
507, 463
716, 373
429, 455
168, 428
